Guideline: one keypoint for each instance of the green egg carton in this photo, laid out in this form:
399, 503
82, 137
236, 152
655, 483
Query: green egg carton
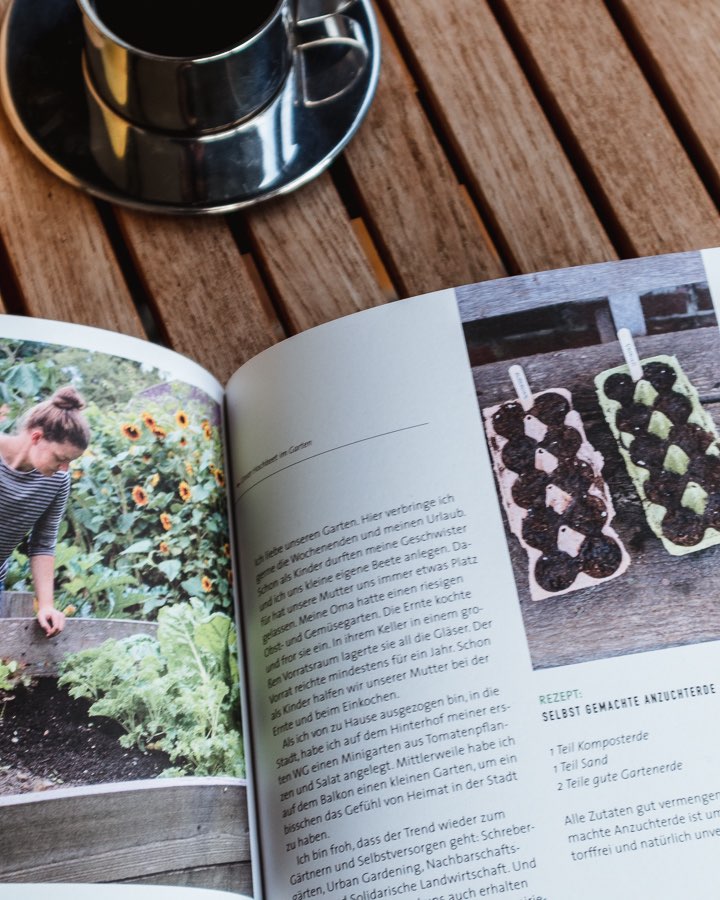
671, 450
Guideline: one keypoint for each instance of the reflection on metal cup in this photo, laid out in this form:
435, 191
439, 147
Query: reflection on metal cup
191, 167
180, 70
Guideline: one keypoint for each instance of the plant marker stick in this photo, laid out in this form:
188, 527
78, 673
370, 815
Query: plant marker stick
627, 345
522, 388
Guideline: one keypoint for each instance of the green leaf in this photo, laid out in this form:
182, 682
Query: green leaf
24, 379
144, 546
170, 568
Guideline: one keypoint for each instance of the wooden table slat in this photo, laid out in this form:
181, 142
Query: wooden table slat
509, 153
642, 169
201, 289
61, 257
431, 237
60, 254
308, 249
681, 42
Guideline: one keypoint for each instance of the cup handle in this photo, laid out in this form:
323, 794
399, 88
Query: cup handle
331, 51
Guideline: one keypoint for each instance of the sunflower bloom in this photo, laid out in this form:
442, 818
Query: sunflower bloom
139, 496
155, 480
159, 433
131, 432
226, 549
206, 584
184, 491
207, 429
219, 477
77, 474
189, 468
149, 420
165, 521
182, 442
164, 547
182, 418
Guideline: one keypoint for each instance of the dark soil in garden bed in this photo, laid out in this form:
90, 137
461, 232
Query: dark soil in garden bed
47, 740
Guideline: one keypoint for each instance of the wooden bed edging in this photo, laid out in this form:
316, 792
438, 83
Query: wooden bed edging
127, 830
23, 640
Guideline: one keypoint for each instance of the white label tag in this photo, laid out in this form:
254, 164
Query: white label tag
629, 350
522, 388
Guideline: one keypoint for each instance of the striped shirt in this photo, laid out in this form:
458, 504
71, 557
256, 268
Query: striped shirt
30, 504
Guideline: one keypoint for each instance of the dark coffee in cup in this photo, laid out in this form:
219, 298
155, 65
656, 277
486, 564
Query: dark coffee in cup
181, 27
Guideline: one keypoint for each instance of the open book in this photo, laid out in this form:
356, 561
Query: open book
474, 542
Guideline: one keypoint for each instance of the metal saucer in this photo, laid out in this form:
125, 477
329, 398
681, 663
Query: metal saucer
44, 94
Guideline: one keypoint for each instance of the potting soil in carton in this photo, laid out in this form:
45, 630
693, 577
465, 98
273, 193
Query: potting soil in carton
556, 500
670, 447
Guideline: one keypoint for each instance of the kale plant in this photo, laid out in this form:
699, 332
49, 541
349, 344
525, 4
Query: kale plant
177, 693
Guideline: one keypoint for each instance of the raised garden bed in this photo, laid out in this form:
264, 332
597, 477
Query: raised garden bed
107, 826
48, 740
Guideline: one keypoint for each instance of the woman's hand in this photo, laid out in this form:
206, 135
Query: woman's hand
51, 620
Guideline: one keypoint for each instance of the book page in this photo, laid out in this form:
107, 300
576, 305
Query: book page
480, 660
382, 620
121, 754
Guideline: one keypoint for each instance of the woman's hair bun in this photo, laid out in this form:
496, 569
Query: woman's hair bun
67, 398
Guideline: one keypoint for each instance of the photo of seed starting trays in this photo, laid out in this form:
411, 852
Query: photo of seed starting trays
599, 391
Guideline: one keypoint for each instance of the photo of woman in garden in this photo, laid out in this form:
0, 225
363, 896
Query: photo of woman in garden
34, 490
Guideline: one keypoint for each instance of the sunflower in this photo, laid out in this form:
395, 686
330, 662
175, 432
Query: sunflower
206, 584
159, 433
182, 442
226, 549
77, 474
181, 417
189, 468
219, 477
139, 496
165, 521
184, 491
131, 432
149, 420
155, 480
164, 547
207, 429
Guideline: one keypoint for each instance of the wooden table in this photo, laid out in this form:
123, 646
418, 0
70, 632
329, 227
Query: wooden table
506, 136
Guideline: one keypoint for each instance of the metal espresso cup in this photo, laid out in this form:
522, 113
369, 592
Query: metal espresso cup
185, 67
207, 132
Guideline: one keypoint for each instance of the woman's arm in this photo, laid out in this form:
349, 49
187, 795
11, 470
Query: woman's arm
51, 620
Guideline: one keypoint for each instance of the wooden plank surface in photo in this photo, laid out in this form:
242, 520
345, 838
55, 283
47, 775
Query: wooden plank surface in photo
525, 293
214, 878
431, 236
23, 639
308, 250
127, 831
679, 42
661, 600
508, 152
642, 170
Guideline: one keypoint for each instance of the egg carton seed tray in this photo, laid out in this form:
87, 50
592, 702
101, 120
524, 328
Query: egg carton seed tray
557, 503
669, 444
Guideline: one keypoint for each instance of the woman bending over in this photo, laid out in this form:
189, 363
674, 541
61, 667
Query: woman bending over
34, 489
